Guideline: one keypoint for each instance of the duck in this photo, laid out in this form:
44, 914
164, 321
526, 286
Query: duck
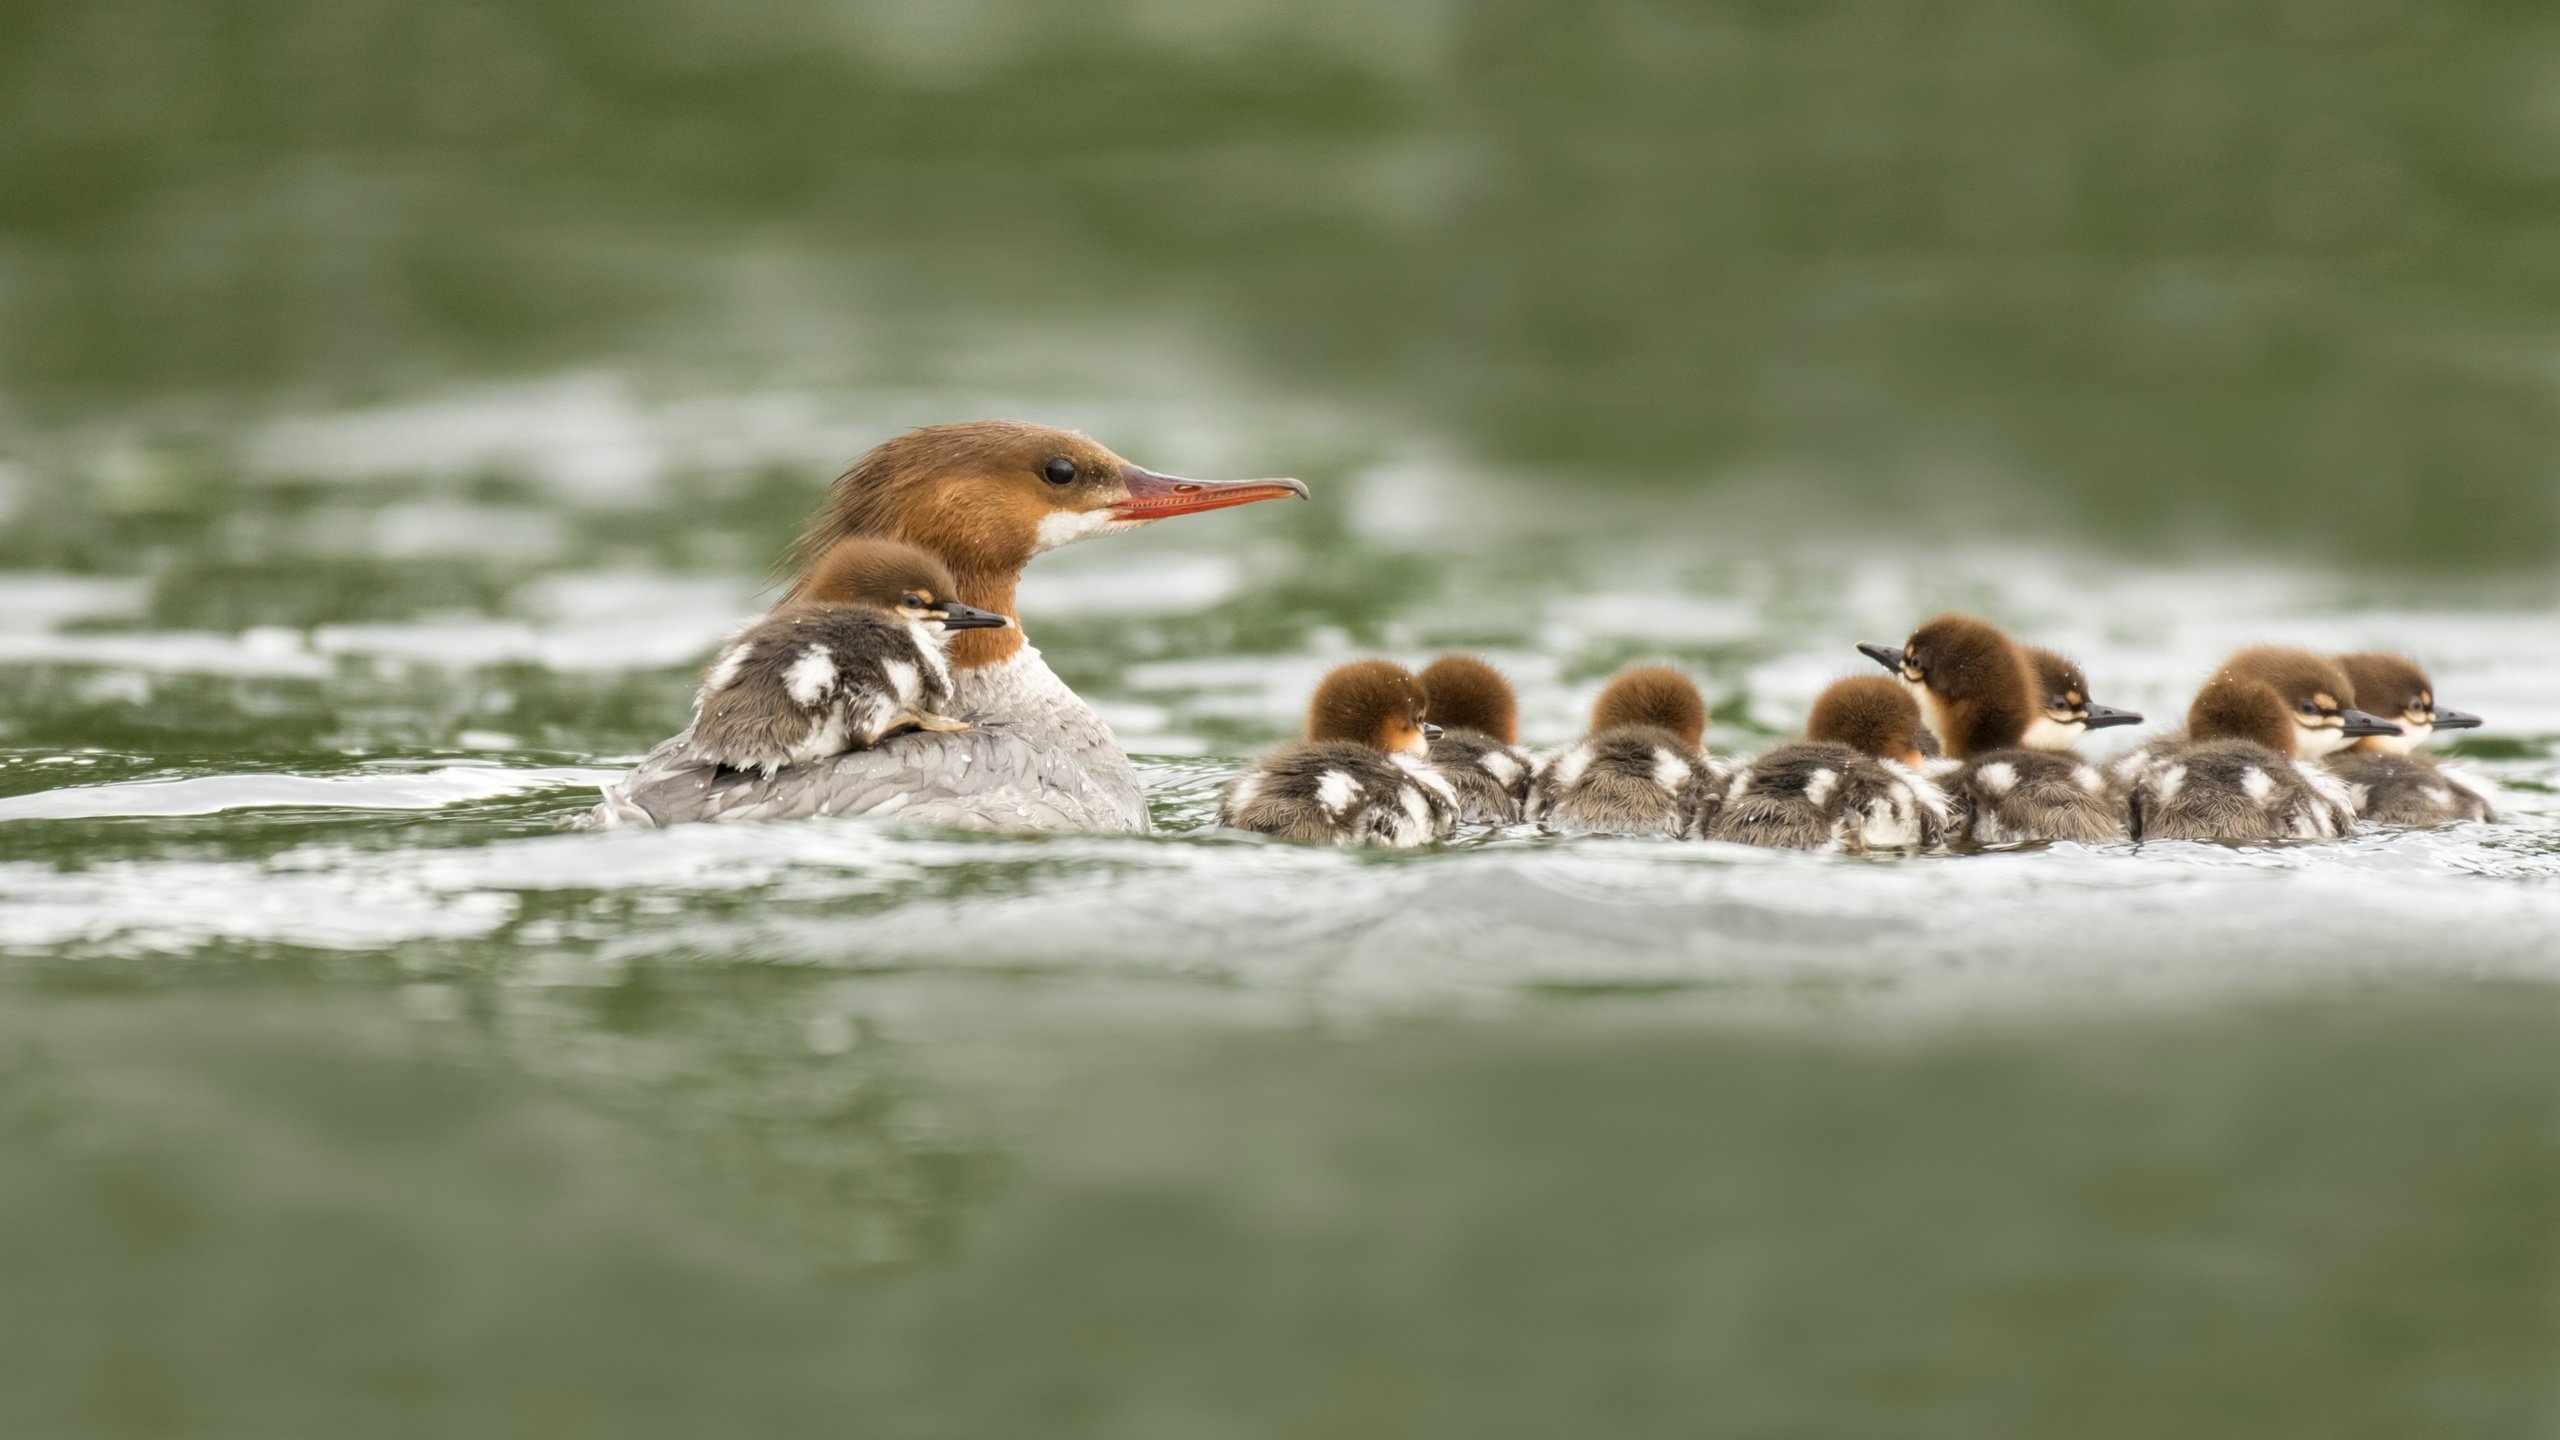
1641, 770
1361, 777
1478, 750
1855, 783
2069, 714
2395, 784
2245, 771
857, 656
1984, 694
984, 498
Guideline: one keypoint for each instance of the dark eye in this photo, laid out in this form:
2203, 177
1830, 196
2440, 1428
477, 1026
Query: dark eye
1059, 471
912, 600
2309, 707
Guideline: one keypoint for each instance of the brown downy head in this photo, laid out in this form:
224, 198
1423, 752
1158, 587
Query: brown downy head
2291, 701
1868, 713
2066, 712
894, 576
1468, 694
2394, 688
985, 497
1654, 695
1372, 702
1980, 691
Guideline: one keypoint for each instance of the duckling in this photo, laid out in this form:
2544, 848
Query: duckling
856, 656
2242, 771
2069, 713
1478, 751
1854, 782
1360, 777
2399, 786
1984, 695
1640, 771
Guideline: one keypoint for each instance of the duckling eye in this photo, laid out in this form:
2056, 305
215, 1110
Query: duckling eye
1059, 471
912, 600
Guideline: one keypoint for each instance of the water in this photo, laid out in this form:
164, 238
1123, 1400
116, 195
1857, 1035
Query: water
396, 404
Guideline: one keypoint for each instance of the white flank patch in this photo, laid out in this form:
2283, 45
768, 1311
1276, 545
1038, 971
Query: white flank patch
1890, 826
902, 678
1999, 777
811, 676
827, 739
1066, 527
2087, 778
930, 640
2340, 802
1818, 788
1423, 774
2170, 779
1245, 790
1336, 791
1501, 766
725, 674
1741, 786
1570, 765
2257, 784
1418, 808
1669, 771
2439, 795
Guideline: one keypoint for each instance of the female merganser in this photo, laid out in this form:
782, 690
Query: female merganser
1854, 782
983, 498
1478, 751
2242, 771
857, 656
1360, 777
2396, 786
1984, 696
1640, 771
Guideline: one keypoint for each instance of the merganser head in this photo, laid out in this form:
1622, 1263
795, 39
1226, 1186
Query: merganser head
2394, 688
2291, 701
897, 577
1468, 694
1653, 695
1871, 714
2068, 711
1372, 702
986, 496
1980, 692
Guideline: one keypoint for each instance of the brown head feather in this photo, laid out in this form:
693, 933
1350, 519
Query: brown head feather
1871, 713
2254, 694
1653, 695
1370, 702
1982, 691
2058, 678
2388, 685
1468, 694
878, 573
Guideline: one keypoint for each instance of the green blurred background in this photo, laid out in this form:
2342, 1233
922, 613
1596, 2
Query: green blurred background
2147, 281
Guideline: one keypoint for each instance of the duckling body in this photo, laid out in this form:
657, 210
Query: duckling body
836, 672
2008, 716
983, 498
1360, 778
1854, 784
1478, 751
2394, 784
2246, 771
1640, 771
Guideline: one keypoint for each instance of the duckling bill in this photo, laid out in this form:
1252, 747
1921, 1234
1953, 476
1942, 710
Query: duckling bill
859, 656
1360, 777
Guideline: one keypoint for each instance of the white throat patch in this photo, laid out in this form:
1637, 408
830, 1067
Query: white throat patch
1066, 527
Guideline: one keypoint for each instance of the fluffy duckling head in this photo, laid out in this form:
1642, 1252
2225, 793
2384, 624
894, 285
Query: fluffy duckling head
1468, 694
1372, 702
897, 577
1980, 690
2291, 701
1868, 713
1654, 695
2068, 713
2394, 688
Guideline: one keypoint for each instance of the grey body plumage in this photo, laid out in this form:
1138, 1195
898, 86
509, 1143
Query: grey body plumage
1816, 795
1631, 780
1491, 779
1342, 792
2410, 790
815, 681
2019, 796
2233, 790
